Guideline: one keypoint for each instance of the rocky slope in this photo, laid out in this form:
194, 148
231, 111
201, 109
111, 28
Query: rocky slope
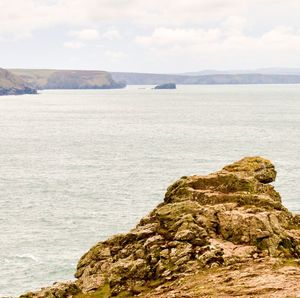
11, 84
67, 79
226, 234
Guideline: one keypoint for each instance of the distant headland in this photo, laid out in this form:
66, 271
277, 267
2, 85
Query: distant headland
68, 79
28, 81
11, 84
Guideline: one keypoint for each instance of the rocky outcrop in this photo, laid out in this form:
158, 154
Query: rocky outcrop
226, 228
166, 86
11, 84
68, 79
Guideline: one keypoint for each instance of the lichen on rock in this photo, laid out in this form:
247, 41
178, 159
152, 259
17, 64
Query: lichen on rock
232, 216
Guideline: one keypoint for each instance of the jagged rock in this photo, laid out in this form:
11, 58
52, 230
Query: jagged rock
65, 290
227, 218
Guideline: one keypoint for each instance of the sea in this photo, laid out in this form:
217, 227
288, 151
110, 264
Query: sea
77, 166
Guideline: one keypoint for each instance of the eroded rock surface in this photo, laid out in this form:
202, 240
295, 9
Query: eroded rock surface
213, 222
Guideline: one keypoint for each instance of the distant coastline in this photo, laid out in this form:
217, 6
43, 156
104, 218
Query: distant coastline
28, 81
208, 79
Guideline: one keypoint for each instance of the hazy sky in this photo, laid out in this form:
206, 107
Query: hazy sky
150, 35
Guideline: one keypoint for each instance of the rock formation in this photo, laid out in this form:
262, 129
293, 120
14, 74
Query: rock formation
221, 235
11, 84
166, 86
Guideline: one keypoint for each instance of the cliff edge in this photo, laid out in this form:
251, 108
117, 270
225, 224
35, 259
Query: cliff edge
226, 234
11, 84
67, 79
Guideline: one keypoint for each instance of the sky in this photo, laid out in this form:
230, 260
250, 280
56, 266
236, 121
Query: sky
158, 36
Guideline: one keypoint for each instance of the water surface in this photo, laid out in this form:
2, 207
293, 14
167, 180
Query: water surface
79, 166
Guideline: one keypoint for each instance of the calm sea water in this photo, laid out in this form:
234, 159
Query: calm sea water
79, 166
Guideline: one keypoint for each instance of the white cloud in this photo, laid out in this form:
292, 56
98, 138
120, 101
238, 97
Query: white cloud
228, 37
225, 45
111, 35
73, 44
220, 31
21, 17
114, 55
85, 34
164, 37
235, 25
185, 37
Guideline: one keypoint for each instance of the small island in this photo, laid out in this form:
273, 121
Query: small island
166, 86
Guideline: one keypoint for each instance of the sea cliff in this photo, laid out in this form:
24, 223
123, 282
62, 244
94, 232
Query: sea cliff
226, 234
67, 79
11, 84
